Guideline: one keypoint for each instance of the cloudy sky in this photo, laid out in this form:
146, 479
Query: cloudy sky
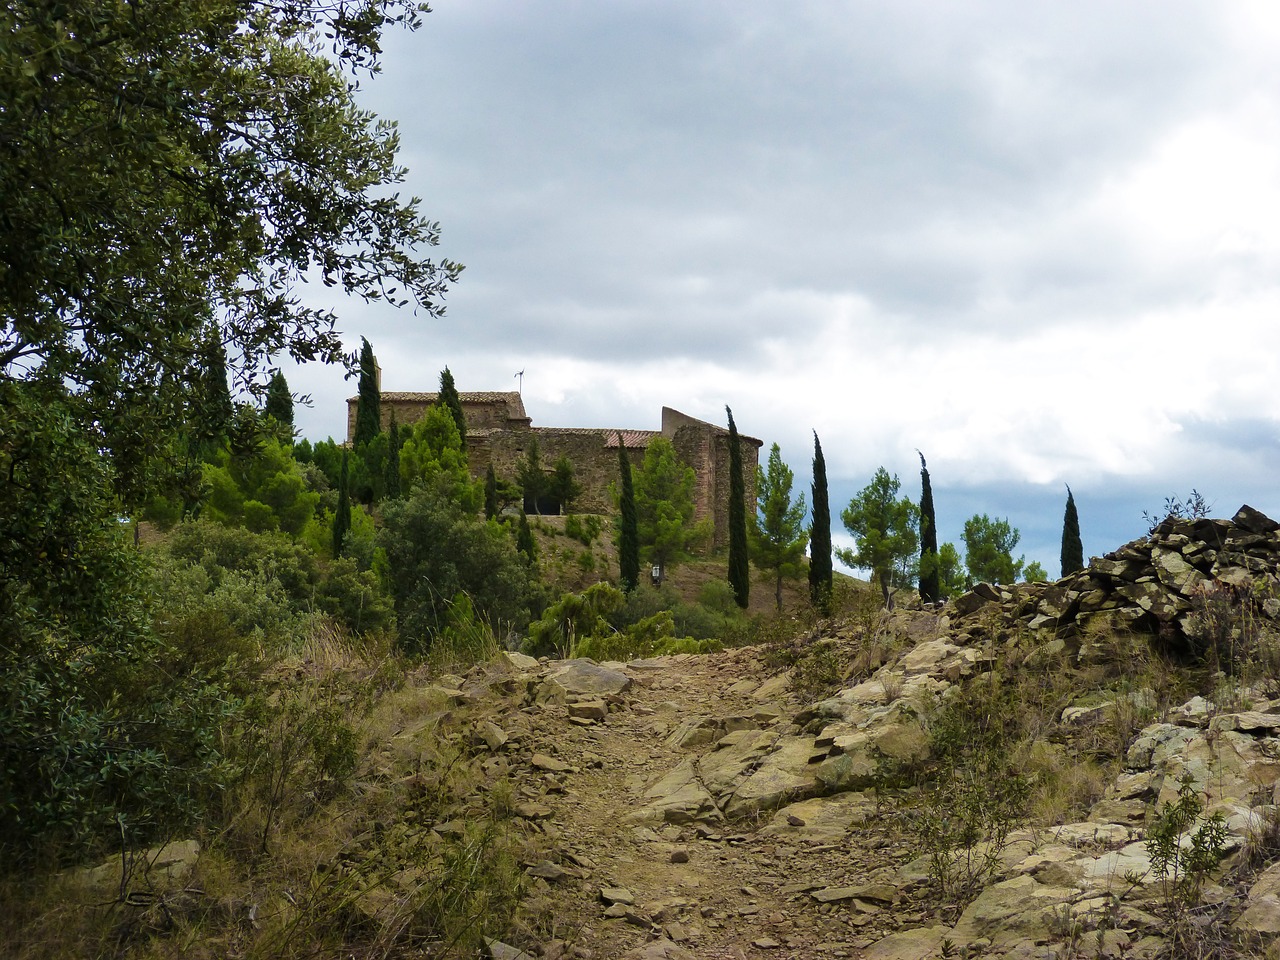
1038, 242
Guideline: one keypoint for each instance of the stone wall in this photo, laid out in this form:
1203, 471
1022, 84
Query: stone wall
482, 411
705, 447
1156, 585
593, 453
499, 432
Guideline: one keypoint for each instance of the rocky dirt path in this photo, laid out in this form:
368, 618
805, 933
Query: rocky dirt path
811, 880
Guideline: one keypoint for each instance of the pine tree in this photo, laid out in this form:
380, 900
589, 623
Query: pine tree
1072, 548
450, 399
777, 533
885, 528
665, 527
279, 403
929, 584
532, 478
820, 572
628, 530
391, 480
739, 565
369, 406
342, 518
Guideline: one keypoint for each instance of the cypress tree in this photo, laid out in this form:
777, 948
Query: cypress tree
524, 540
342, 518
213, 408
1072, 548
450, 399
391, 480
739, 562
929, 587
628, 528
490, 493
279, 403
820, 573
369, 405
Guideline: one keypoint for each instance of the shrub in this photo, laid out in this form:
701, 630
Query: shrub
572, 620
98, 735
1182, 866
355, 597
437, 551
698, 620
583, 528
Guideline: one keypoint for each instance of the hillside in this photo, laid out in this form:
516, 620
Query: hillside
1080, 769
569, 564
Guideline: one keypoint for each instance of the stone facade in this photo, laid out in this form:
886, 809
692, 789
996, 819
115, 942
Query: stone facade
499, 431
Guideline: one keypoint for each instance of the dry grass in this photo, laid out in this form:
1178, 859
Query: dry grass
324, 847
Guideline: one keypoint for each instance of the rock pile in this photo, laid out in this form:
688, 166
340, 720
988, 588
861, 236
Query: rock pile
1155, 585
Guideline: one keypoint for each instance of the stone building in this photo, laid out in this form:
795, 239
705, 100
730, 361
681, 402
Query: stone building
499, 431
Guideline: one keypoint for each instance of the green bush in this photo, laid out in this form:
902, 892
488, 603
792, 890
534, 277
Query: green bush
251, 602
697, 620
355, 597
1183, 864
573, 620
583, 528
264, 583
104, 727
437, 551
973, 794
652, 637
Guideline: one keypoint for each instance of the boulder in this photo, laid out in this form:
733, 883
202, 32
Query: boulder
157, 868
1012, 909
923, 943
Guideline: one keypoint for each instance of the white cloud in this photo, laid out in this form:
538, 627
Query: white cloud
1038, 243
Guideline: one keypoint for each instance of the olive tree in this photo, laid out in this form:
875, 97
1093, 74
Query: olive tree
180, 172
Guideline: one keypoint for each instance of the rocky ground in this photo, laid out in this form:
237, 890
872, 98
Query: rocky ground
693, 806
633, 868
682, 812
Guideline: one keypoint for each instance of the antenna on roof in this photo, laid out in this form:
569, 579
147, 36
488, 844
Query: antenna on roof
520, 389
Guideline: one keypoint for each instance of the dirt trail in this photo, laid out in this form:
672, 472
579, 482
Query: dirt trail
732, 889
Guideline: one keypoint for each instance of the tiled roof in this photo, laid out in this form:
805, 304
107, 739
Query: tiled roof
472, 396
631, 439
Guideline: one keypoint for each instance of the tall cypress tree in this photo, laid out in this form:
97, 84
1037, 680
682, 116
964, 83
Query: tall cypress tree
524, 540
279, 403
820, 573
929, 586
490, 493
391, 479
369, 404
342, 518
739, 561
450, 399
1072, 548
628, 528
212, 399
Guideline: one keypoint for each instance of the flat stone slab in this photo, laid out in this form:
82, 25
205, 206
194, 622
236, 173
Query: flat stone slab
584, 678
821, 819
